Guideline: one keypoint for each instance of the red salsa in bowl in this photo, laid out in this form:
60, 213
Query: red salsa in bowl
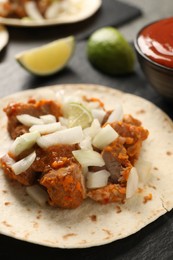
156, 42
154, 48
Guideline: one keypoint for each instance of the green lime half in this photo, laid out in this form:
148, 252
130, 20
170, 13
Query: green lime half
109, 52
78, 114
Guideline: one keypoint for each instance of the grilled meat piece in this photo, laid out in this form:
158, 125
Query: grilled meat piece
28, 177
17, 9
65, 186
116, 159
34, 108
134, 135
53, 157
108, 194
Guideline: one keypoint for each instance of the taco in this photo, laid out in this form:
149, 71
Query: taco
97, 170
47, 12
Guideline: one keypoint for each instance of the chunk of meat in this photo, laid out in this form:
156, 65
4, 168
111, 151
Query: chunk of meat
108, 194
134, 135
53, 157
65, 186
28, 177
117, 163
16, 8
12, 9
117, 160
34, 108
129, 119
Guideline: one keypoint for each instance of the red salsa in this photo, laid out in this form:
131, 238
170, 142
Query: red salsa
156, 42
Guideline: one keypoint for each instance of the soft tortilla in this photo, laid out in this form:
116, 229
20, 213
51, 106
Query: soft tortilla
92, 224
88, 9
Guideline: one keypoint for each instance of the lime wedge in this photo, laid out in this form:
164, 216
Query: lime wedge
78, 114
47, 59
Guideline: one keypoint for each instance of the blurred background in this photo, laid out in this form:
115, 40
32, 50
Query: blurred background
151, 10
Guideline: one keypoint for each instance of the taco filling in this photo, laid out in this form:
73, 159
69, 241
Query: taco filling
38, 10
73, 149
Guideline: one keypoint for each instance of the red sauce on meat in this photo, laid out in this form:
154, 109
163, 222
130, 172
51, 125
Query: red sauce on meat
156, 42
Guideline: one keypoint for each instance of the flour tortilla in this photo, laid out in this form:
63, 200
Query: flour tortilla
92, 224
88, 9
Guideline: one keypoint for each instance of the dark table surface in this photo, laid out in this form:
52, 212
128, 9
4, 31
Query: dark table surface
155, 240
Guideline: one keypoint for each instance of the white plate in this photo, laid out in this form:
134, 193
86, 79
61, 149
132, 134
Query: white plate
90, 7
4, 37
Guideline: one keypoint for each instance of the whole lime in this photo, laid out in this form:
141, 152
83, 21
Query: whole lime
109, 52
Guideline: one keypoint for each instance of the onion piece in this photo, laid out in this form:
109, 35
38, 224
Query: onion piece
99, 114
47, 119
104, 137
23, 142
38, 194
143, 168
28, 120
67, 136
8, 160
97, 179
46, 128
117, 114
23, 164
88, 158
85, 144
64, 121
93, 129
52, 11
84, 171
132, 183
32, 11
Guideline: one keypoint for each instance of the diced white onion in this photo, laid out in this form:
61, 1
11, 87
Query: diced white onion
99, 114
84, 171
132, 183
97, 179
143, 168
47, 119
38, 194
93, 129
46, 128
28, 120
23, 164
52, 11
68, 136
88, 158
64, 121
24, 142
32, 11
8, 160
85, 144
117, 114
104, 137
